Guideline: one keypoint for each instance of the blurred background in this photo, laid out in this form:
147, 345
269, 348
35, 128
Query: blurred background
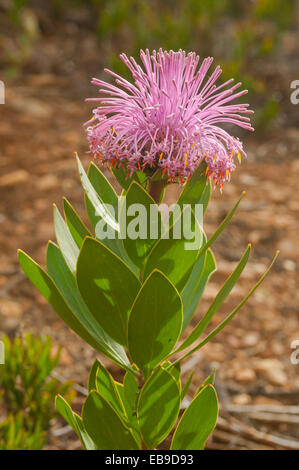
49, 51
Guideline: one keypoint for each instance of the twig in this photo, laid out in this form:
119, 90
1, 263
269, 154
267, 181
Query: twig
12, 282
262, 408
233, 441
293, 410
260, 390
62, 431
237, 427
274, 418
76, 387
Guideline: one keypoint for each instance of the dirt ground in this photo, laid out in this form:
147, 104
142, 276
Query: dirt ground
41, 128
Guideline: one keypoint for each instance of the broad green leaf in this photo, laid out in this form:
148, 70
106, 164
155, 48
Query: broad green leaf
195, 187
104, 190
92, 379
121, 173
197, 421
158, 407
175, 371
122, 176
75, 224
210, 380
66, 283
105, 231
85, 438
120, 389
100, 206
106, 386
198, 189
206, 196
101, 203
155, 322
173, 256
108, 287
203, 269
106, 234
231, 315
104, 426
49, 290
130, 397
65, 241
140, 223
187, 386
131, 390
74, 422
218, 301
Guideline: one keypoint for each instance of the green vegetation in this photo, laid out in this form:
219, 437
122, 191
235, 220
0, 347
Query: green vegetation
27, 391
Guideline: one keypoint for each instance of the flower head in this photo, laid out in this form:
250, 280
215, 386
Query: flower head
169, 118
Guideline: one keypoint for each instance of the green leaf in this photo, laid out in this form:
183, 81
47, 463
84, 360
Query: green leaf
131, 390
65, 241
104, 190
75, 224
101, 192
122, 176
85, 438
66, 283
104, 426
130, 397
187, 386
107, 235
106, 386
197, 422
203, 269
99, 204
92, 379
155, 322
217, 302
206, 196
136, 228
175, 371
198, 189
49, 290
121, 173
195, 188
158, 407
74, 422
231, 315
210, 380
171, 255
108, 287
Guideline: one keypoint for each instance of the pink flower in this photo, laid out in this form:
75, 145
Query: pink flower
169, 118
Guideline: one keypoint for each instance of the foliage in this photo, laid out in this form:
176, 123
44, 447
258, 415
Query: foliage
131, 300
28, 391
127, 416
